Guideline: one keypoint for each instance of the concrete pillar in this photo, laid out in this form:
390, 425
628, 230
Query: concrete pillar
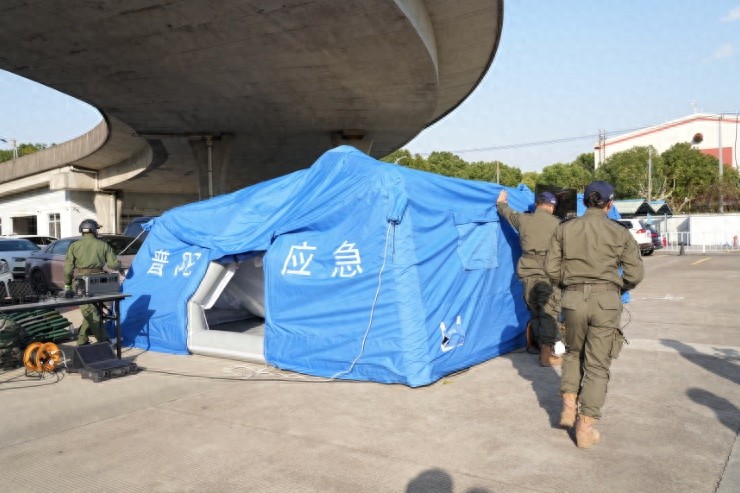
107, 211
355, 138
212, 159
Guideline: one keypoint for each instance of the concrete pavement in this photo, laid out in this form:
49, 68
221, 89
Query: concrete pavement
205, 424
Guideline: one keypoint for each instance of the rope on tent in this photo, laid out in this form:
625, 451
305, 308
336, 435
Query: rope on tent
372, 309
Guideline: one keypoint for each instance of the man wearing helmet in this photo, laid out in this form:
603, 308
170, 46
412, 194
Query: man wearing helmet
88, 255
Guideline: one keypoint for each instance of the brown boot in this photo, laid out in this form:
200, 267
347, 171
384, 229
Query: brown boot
547, 358
586, 435
568, 414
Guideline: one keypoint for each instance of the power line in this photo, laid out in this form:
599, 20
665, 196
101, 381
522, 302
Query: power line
540, 142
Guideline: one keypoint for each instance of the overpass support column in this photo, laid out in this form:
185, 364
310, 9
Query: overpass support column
212, 154
108, 211
354, 138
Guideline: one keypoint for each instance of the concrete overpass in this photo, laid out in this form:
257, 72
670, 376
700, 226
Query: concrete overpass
202, 98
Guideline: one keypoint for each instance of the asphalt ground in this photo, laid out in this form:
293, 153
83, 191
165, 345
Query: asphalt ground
193, 423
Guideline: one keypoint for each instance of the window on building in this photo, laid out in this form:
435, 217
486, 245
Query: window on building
55, 225
24, 225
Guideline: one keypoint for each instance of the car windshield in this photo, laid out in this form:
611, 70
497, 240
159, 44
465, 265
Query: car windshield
17, 246
118, 243
40, 240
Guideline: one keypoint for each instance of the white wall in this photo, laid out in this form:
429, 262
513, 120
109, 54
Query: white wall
72, 208
75, 206
662, 137
710, 229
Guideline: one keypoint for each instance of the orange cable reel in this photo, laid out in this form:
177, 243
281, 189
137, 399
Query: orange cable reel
42, 357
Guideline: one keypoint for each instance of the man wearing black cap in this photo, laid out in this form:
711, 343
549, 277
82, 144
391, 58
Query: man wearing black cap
584, 257
542, 298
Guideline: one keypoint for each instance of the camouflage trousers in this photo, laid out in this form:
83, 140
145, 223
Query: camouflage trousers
91, 325
543, 301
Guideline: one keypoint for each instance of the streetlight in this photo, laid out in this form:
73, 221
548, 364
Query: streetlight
12, 142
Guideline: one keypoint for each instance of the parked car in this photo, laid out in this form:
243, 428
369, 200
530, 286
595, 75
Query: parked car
36, 239
655, 236
134, 228
640, 233
14, 251
45, 268
5, 277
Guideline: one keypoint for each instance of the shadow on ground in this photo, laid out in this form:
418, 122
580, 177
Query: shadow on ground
718, 365
436, 481
545, 382
727, 413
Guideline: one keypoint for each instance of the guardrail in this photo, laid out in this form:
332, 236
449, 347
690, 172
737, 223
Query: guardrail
701, 243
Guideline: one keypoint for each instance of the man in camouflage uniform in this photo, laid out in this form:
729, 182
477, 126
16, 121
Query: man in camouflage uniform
584, 257
88, 256
542, 298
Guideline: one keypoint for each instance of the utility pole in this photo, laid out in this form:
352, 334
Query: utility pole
13, 143
498, 173
721, 166
650, 174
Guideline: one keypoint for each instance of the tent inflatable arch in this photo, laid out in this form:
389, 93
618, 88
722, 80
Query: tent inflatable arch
352, 268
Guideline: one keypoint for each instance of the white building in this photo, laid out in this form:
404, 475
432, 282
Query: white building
706, 132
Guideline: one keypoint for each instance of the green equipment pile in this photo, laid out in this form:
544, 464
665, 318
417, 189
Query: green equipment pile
19, 329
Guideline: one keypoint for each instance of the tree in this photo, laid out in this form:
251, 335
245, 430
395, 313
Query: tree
628, 172
449, 164
565, 175
530, 179
23, 150
586, 161
510, 176
694, 177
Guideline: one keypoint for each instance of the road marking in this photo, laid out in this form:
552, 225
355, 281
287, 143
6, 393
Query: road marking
700, 261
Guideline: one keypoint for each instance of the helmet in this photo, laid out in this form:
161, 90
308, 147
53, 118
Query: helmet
89, 226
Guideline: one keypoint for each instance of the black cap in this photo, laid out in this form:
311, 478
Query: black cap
603, 188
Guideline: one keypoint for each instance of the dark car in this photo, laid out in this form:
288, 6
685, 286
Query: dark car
135, 229
655, 236
45, 268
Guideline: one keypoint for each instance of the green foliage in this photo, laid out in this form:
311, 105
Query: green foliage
693, 175
586, 161
682, 176
22, 149
530, 179
449, 164
628, 172
571, 175
509, 176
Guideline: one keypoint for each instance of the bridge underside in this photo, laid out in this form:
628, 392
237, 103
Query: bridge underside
219, 95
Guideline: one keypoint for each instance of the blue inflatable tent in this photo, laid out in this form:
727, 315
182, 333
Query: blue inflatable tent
353, 269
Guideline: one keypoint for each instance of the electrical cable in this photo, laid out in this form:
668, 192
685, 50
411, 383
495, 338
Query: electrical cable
372, 309
539, 143
59, 377
126, 247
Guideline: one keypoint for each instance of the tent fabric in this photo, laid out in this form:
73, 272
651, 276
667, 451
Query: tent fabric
372, 271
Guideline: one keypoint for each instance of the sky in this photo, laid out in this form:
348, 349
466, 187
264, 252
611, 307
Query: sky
564, 70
